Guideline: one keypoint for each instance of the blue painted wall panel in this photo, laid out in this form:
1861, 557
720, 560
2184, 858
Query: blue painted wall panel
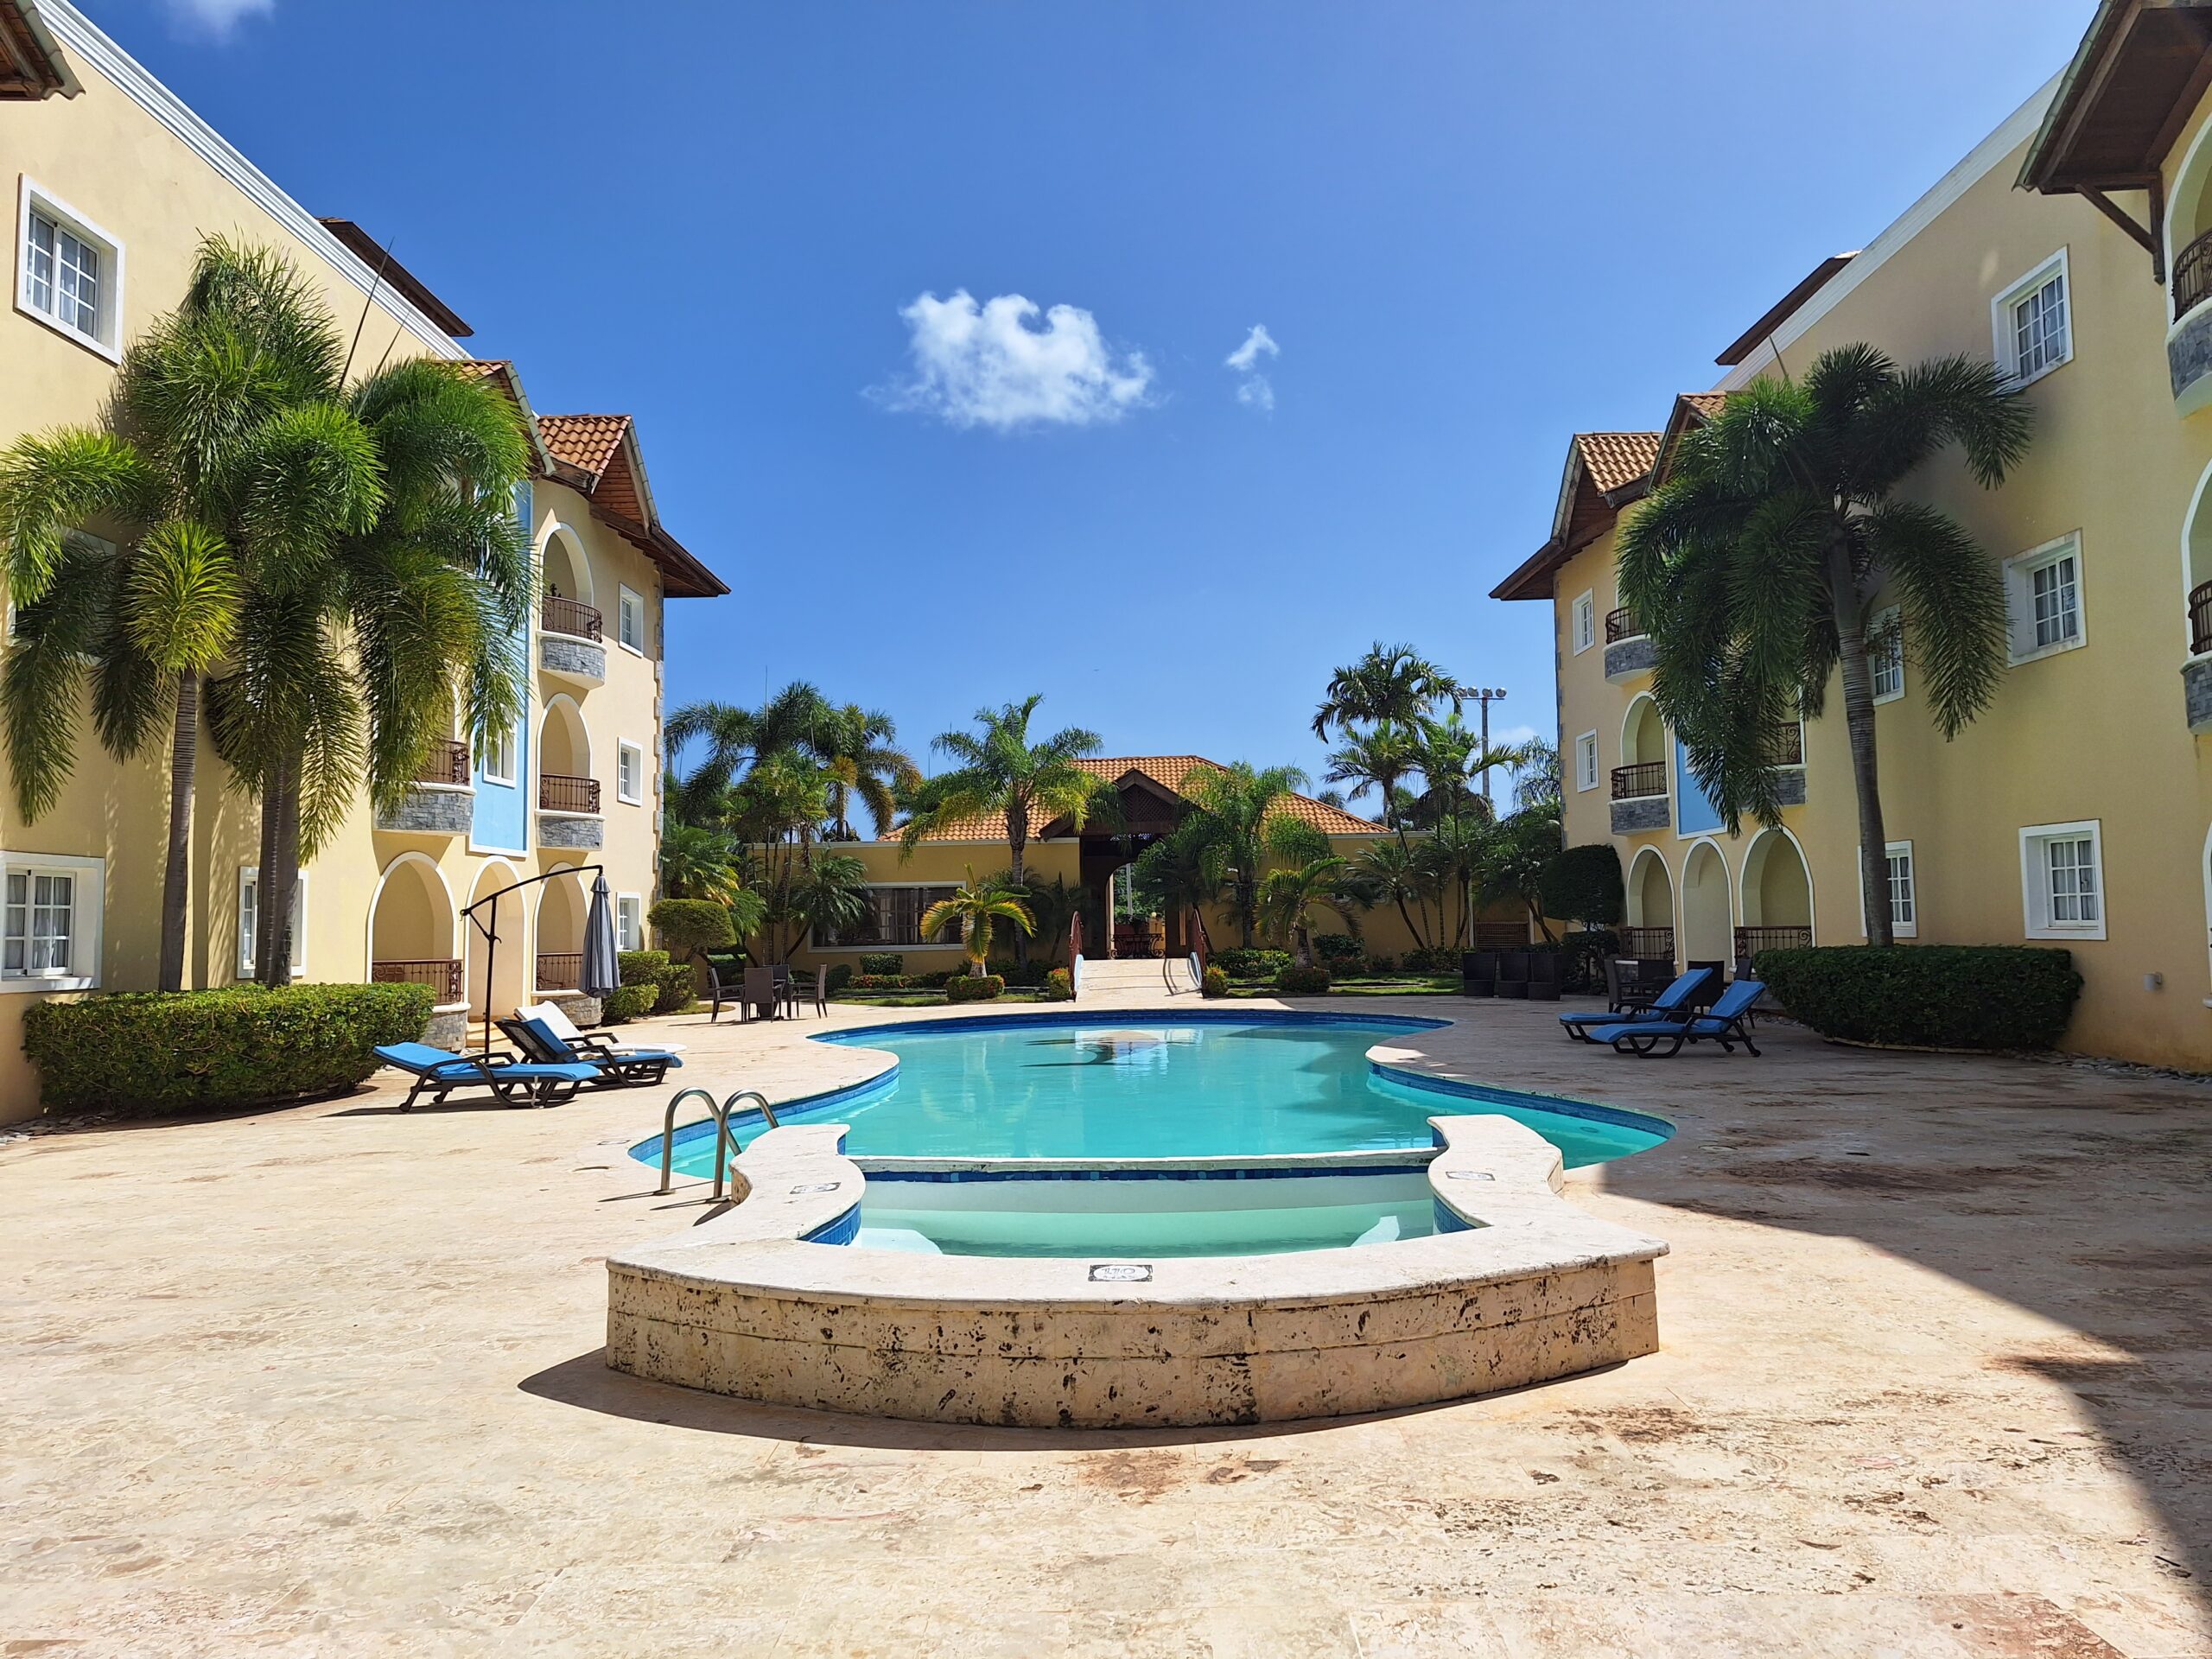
502, 810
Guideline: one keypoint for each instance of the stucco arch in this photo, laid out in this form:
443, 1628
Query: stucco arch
563, 905
1650, 890
2188, 205
508, 974
563, 739
2196, 543
1706, 930
1776, 882
1643, 734
564, 566
411, 918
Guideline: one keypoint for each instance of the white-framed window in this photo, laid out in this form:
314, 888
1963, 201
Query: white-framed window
1886, 653
2043, 600
1585, 623
499, 759
629, 773
629, 910
1904, 896
2033, 321
2062, 880
68, 272
1586, 760
630, 621
51, 905
250, 918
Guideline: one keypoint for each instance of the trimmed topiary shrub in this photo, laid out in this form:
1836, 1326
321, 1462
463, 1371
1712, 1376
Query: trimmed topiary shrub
1423, 960
974, 988
1927, 996
882, 961
1302, 982
934, 982
837, 978
689, 927
1583, 884
194, 1051
674, 986
640, 967
1333, 948
631, 1003
1216, 983
880, 981
1582, 958
1060, 986
1240, 964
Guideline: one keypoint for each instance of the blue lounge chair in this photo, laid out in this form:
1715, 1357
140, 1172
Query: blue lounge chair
1727, 1023
437, 1072
1673, 1003
629, 1068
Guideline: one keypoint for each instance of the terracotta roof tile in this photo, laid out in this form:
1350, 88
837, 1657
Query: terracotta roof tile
1614, 459
587, 442
1707, 403
1169, 772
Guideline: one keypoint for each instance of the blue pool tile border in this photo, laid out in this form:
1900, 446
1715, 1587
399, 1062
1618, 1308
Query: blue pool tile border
1559, 1105
1132, 1019
647, 1151
1132, 1173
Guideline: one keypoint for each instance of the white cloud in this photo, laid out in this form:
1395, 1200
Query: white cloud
987, 365
218, 17
1254, 391
1257, 341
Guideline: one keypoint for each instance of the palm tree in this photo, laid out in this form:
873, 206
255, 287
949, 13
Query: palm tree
1237, 826
1002, 774
1514, 851
1391, 684
1174, 874
1286, 894
1399, 876
1381, 759
858, 747
1053, 907
698, 861
737, 737
1755, 569
979, 906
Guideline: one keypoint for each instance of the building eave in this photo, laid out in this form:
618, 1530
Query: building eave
32, 65
2141, 67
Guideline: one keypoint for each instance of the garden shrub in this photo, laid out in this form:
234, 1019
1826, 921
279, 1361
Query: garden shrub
639, 967
880, 981
1423, 960
1583, 884
1582, 958
1027, 976
1380, 965
974, 988
1240, 964
151, 1051
690, 927
934, 982
1302, 982
1337, 948
1060, 986
1216, 983
631, 1003
1927, 996
673, 986
837, 978
882, 961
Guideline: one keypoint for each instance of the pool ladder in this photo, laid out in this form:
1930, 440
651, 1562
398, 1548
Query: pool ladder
725, 1142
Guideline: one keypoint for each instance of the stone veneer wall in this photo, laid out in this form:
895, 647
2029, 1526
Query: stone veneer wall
1650, 812
430, 810
564, 655
2196, 693
570, 832
1629, 656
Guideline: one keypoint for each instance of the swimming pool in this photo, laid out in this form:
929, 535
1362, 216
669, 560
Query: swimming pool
1108, 1091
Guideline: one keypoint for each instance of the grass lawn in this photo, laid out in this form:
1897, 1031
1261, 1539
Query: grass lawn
1426, 986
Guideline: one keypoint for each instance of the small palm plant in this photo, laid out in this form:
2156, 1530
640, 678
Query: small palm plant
1755, 567
979, 907
1287, 894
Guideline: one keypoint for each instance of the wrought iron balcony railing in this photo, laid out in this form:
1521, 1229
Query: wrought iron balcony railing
559, 793
1637, 782
440, 974
570, 616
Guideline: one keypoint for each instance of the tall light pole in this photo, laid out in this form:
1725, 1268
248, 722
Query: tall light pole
1486, 696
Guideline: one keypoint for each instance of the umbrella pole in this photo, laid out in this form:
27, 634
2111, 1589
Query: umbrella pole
491, 933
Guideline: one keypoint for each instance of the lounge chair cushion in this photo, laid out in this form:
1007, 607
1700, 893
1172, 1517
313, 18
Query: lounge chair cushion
552, 1043
420, 1059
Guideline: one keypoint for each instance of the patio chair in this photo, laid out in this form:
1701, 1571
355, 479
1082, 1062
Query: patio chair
1672, 1004
1544, 976
1478, 973
1513, 973
1719, 972
593, 1043
639, 1068
723, 980
808, 985
514, 1081
1726, 1025
762, 995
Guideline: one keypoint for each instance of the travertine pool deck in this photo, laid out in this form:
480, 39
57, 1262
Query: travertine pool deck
1933, 1380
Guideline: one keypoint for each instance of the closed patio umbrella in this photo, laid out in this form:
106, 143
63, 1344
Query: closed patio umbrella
602, 976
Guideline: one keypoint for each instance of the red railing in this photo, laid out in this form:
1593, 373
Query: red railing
2192, 275
1651, 944
560, 970
1637, 782
1621, 625
442, 977
559, 793
447, 763
570, 616
2200, 617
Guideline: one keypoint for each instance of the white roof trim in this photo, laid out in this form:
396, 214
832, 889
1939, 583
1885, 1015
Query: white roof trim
84, 37
2015, 131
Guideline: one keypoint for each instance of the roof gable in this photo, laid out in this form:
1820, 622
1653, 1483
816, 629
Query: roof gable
1156, 780
1604, 470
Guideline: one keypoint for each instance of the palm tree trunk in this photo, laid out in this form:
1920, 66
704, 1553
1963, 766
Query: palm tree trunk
176, 877
1858, 724
1017, 841
279, 874
1407, 917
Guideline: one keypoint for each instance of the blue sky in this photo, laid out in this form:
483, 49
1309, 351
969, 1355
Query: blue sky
1467, 230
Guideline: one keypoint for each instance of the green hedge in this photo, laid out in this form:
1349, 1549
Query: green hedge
882, 961
840, 976
1583, 884
1927, 996
974, 988
1302, 982
241, 1045
1241, 963
631, 1003
1060, 986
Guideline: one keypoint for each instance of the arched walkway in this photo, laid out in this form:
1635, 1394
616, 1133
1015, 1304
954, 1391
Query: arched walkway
2196, 556
1644, 734
565, 783
1777, 900
1706, 911
411, 929
497, 980
562, 906
1650, 907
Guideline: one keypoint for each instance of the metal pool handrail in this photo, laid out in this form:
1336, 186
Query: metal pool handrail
723, 1138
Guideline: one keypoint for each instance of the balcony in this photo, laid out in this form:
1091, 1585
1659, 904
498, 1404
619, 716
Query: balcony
1640, 797
2196, 673
1648, 944
570, 641
1750, 941
1628, 651
1789, 755
567, 811
441, 801
2188, 343
560, 970
441, 974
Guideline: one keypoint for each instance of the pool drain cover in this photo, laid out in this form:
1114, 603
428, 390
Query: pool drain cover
1120, 1272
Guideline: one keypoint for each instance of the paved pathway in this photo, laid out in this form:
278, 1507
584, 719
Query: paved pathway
1936, 1382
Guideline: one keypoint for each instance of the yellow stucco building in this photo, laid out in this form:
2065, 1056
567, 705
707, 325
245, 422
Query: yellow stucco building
115, 181
2074, 247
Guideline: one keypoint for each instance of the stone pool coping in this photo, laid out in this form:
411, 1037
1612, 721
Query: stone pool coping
1531, 1288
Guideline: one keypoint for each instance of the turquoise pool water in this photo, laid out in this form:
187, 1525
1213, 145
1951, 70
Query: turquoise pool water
1101, 1089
